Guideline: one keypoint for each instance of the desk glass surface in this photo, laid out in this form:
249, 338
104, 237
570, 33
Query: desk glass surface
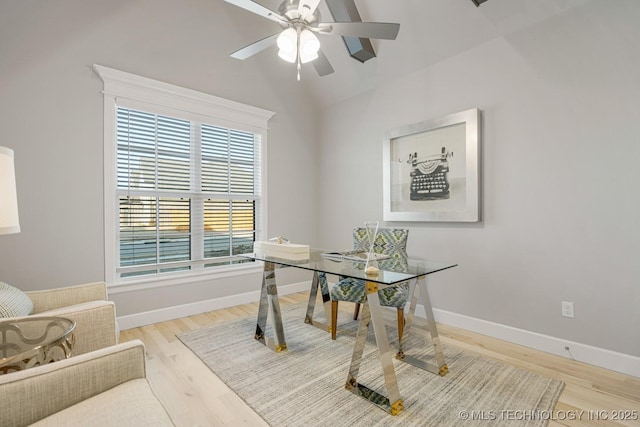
391, 271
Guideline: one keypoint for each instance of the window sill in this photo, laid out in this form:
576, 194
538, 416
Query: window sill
178, 279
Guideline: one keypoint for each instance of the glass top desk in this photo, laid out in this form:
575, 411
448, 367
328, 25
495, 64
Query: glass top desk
391, 272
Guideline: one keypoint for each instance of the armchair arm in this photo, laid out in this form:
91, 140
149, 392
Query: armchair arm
96, 325
33, 394
61, 297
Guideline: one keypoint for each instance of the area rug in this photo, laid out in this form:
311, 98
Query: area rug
304, 386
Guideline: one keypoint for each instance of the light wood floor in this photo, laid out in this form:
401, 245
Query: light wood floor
194, 396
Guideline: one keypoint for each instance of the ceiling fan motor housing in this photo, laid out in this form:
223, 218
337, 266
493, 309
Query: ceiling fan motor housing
290, 10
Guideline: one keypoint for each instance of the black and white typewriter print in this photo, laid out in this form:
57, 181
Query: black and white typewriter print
431, 174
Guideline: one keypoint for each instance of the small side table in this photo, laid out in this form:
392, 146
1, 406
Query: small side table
33, 341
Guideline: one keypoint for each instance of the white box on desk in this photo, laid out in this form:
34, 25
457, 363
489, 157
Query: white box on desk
290, 251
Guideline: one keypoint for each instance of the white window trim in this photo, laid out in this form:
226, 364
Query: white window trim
136, 90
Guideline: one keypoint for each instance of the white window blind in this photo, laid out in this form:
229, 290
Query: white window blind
187, 193
183, 189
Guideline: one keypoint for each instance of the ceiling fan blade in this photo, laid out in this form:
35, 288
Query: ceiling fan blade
256, 47
322, 64
368, 30
258, 9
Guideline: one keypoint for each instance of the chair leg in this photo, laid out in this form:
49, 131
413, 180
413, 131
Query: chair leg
334, 319
400, 322
356, 311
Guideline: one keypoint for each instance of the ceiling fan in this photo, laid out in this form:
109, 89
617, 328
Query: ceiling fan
300, 22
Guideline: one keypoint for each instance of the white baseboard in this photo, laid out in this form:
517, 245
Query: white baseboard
620, 362
178, 311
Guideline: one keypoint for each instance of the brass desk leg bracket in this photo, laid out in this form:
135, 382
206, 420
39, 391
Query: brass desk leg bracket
397, 407
372, 287
444, 369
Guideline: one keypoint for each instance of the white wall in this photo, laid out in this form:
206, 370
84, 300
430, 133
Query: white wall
560, 174
51, 115
561, 143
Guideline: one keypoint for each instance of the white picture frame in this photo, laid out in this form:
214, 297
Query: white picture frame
431, 170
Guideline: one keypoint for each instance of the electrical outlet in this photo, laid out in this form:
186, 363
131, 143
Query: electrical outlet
567, 309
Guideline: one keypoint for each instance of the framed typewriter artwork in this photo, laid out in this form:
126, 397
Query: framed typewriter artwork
431, 170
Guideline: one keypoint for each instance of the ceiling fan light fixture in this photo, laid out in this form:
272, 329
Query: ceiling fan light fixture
288, 45
309, 46
287, 56
308, 58
300, 21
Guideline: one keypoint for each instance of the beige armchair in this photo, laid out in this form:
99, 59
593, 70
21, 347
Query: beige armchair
87, 305
106, 387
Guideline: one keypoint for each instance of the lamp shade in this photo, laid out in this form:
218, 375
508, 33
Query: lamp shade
8, 199
309, 46
288, 43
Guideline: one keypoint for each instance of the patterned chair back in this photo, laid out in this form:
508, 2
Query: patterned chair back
389, 241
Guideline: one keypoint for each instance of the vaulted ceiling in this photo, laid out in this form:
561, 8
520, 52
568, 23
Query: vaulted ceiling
188, 42
430, 31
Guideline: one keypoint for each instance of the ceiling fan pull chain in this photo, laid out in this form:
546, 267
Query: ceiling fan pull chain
298, 52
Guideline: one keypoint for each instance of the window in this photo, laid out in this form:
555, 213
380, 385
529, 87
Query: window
183, 186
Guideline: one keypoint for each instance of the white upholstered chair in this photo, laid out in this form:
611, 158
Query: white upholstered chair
106, 387
85, 304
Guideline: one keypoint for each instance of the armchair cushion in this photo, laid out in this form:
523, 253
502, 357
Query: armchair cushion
107, 387
14, 302
130, 404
